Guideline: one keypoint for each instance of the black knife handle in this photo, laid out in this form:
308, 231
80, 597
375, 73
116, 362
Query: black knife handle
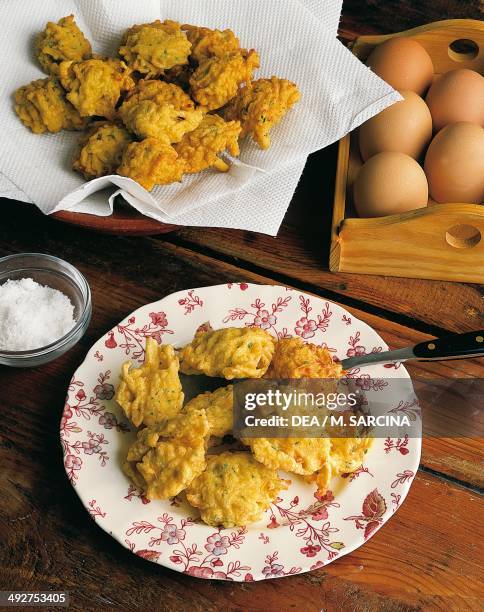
455, 346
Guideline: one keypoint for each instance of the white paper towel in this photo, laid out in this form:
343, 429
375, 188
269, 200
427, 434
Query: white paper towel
295, 39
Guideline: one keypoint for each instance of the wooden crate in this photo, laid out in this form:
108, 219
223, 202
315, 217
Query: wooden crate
441, 241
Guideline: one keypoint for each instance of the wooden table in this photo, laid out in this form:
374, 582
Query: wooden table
428, 556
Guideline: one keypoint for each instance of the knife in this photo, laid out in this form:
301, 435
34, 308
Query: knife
455, 346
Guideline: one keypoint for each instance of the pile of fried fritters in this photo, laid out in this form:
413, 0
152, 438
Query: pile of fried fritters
179, 448
175, 98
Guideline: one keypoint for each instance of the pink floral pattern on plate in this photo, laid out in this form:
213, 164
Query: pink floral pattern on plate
301, 531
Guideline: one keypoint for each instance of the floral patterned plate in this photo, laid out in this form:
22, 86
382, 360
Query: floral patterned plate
301, 531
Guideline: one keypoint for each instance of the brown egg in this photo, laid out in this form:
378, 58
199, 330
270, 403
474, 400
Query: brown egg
405, 127
389, 183
454, 164
457, 95
403, 63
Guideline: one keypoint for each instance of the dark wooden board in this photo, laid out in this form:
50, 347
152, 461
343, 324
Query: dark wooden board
299, 256
125, 273
425, 556
428, 557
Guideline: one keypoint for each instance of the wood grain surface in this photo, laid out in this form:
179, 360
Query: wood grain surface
427, 557
299, 255
423, 558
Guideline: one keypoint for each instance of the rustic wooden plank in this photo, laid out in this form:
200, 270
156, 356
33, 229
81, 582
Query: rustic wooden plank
425, 557
126, 273
418, 559
380, 17
454, 307
299, 255
387, 573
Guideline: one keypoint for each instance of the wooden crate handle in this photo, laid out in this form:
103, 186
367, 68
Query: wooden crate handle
450, 243
437, 37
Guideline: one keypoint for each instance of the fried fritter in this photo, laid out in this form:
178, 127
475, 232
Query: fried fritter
170, 467
161, 92
151, 162
166, 457
197, 70
218, 406
346, 455
199, 149
130, 470
294, 358
95, 86
152, 48
234, 490
261, 106
233, 352
61, 41
297, 455
153, 391
42, 107
160, 110
189, 426
208, 43
101, 149
179, 75
216, 80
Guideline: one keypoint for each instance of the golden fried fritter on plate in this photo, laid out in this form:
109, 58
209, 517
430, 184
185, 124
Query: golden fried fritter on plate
216, 80
166, 457
170, 467
101, 149
61, 41
234, 490
297, 455
189, 426
346, 455
151, 162
95, 86
199, 149
153, 391
294, 358
208, 43
130, 470
261, 106
42, 107
160, 110
218, 406
152, 48
232, 352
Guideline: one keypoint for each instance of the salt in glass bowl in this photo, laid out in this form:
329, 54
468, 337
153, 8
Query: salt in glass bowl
57, 274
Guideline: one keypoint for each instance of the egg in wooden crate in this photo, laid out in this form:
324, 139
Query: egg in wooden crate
403, 63
457, 95
407, 205
404, 127
454, 164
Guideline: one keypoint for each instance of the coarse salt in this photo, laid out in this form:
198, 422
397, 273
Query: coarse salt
32, 315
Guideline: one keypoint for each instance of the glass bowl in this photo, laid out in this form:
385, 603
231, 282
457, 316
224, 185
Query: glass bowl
57, 274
